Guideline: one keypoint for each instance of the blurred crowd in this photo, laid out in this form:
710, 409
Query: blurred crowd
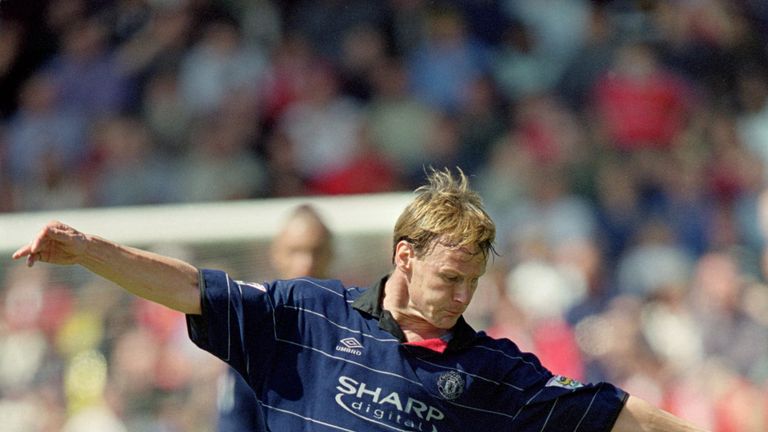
621, 146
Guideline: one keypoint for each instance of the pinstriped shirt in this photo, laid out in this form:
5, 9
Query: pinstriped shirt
324, 357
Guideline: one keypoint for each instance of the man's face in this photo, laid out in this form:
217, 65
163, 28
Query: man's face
301, 249
443, 282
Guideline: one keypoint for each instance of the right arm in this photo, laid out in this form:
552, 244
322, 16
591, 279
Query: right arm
161, 279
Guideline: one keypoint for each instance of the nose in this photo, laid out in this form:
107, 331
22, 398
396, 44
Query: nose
462, 294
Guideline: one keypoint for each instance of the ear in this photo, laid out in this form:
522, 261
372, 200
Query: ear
404, 254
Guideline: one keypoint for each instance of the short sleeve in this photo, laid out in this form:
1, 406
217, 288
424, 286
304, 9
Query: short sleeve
236, 323
569, 406
536, 399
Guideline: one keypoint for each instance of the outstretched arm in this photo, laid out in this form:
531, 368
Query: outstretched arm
161, 279
640, 416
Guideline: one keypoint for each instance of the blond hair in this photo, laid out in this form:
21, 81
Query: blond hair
446, 211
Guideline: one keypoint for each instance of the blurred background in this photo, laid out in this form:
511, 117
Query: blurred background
621, 146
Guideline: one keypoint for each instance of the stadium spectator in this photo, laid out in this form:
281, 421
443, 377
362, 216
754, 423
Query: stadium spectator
220, 164
639, 104
399, 123
219, 66
43, 142
124, 168
323, 124
86, 72
446, 62
327, 24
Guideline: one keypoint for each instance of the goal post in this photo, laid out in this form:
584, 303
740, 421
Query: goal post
230, 235
212, 222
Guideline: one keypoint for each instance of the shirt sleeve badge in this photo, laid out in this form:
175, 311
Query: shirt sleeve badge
564, 382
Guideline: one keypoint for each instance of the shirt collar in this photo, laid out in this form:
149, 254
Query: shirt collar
370, 302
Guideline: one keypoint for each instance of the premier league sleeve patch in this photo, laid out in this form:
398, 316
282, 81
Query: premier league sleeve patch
564, 382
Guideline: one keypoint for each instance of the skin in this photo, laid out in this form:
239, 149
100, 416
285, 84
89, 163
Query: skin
640, 416
302, 248
157, 278
426, 295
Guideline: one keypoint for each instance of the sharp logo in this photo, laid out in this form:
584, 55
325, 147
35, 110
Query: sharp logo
350, 345
387, 408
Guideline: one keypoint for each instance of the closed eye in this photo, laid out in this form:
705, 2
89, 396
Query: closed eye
451, 279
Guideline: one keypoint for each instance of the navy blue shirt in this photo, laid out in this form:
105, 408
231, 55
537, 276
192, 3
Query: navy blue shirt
321, 356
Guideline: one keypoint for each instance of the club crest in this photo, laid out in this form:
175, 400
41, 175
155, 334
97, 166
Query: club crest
450, 385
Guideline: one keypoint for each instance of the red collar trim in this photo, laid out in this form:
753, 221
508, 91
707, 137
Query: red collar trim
435, 344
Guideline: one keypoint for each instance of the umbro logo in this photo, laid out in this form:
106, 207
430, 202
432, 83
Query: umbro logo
351, 342
350, 345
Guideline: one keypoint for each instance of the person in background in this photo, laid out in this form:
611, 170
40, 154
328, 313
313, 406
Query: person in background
302, 247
